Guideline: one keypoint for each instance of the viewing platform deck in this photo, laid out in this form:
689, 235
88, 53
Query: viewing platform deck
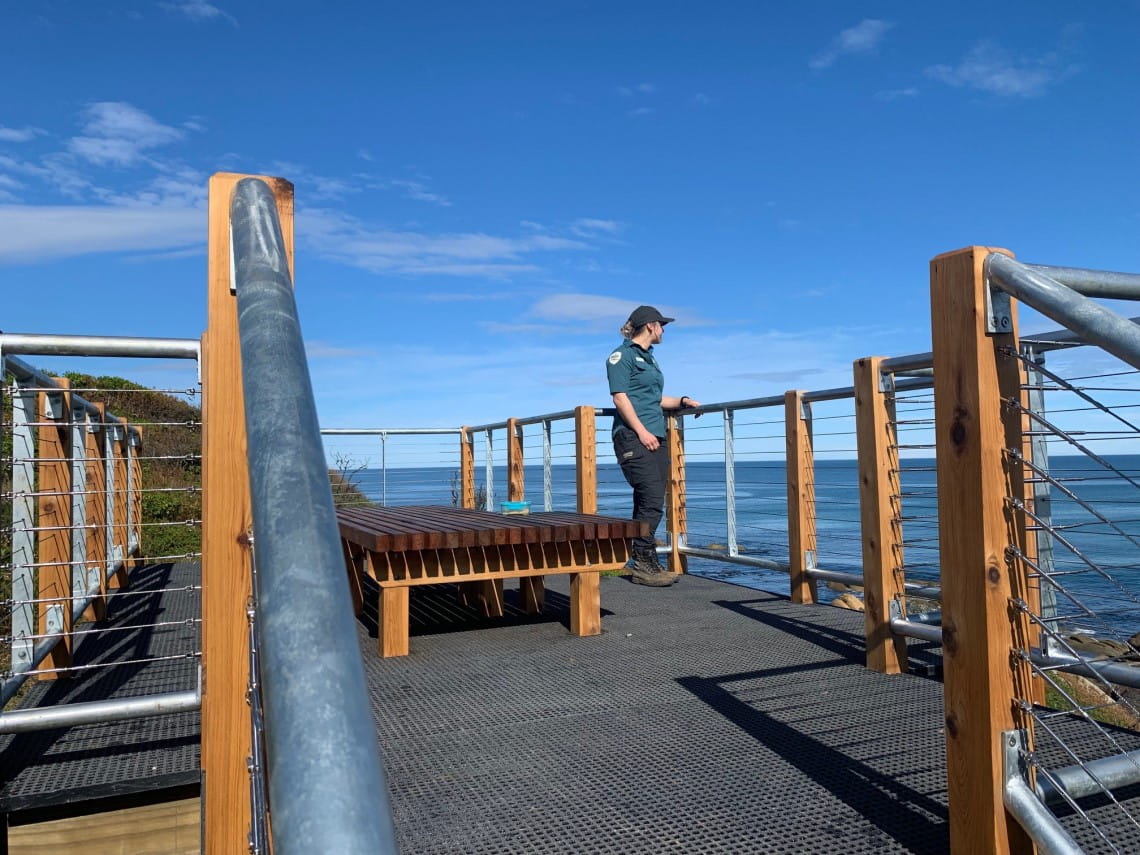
706, 717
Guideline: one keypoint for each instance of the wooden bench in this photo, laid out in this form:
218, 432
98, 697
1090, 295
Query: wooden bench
430, 545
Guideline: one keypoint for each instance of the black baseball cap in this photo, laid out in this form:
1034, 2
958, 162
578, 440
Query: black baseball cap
643, 315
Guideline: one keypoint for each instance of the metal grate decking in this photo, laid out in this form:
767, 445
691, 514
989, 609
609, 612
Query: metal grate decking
48, 769
707, 718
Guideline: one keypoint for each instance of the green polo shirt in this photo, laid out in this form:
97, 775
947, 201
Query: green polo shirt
634, 371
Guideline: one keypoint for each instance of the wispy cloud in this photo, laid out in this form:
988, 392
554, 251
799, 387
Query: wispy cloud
117, 133
324, 350
18, 135
345, 239
33, 233
639, 89
864, 37
419, 192
896, 94
198, 10
990, 68
590, 227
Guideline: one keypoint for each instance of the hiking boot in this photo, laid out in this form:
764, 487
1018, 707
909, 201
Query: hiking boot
643, 575
645, 570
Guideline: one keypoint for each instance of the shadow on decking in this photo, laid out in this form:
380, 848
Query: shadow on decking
925, 658
916, 821
436, 609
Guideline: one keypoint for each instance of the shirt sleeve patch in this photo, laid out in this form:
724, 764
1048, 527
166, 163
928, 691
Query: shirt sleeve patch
615, 357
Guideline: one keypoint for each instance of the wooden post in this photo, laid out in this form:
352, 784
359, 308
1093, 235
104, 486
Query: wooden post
800, 464
119, 450
53, 539
880, 508
586, 459
466, 468
982, 679
531, 589
226, 520
97, 510
676, 513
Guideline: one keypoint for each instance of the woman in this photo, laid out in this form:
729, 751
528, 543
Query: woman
636, 384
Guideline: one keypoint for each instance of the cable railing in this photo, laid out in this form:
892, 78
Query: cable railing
89, 499
1037, 545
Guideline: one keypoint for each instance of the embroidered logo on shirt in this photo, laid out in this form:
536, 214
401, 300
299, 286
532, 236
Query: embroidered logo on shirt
615, 357
639, 359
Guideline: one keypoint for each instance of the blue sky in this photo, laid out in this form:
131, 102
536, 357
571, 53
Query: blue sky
484, 190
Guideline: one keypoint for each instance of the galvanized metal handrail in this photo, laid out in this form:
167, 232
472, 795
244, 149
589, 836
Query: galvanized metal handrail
325, 780
1095, 323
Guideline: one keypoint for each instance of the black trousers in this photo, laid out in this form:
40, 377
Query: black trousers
648, 473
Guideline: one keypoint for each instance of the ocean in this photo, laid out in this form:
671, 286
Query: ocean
1095, 542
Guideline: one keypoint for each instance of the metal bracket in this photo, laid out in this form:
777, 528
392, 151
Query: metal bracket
999, 311
54, 409
54, 618
809, 560
894, 609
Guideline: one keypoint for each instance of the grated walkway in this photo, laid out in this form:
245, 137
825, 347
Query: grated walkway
154, 619
707, 718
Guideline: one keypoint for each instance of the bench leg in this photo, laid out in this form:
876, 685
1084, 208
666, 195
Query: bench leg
532, 594
491, 597
586, 603
355, 585
393, 621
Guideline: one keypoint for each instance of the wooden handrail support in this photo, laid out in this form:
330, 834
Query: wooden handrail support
676, 512
466, 468
801, 496
982, 677
880, 507
586, 459
532, 592
226, 521
53, 540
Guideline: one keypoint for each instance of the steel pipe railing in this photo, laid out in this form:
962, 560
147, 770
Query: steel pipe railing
326, 784
99, 712
100, 345
1093, 283
1093, 322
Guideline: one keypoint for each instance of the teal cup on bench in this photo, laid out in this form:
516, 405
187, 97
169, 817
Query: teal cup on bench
515, 507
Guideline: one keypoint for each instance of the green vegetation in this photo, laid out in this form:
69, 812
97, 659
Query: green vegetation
171, 460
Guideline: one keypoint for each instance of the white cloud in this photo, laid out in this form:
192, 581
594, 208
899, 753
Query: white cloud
36, 233
344, 239
590, 227
641, 111
19, 134
990, 68
116, 133
198, 10
895, 94
864, 37
419, 192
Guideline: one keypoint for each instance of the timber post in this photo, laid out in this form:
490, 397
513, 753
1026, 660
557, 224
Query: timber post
983, 678
880, 523
226, 523
800, 464
676, 512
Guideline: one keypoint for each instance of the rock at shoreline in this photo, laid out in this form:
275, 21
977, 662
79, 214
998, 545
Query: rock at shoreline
1106, 647
848, 601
